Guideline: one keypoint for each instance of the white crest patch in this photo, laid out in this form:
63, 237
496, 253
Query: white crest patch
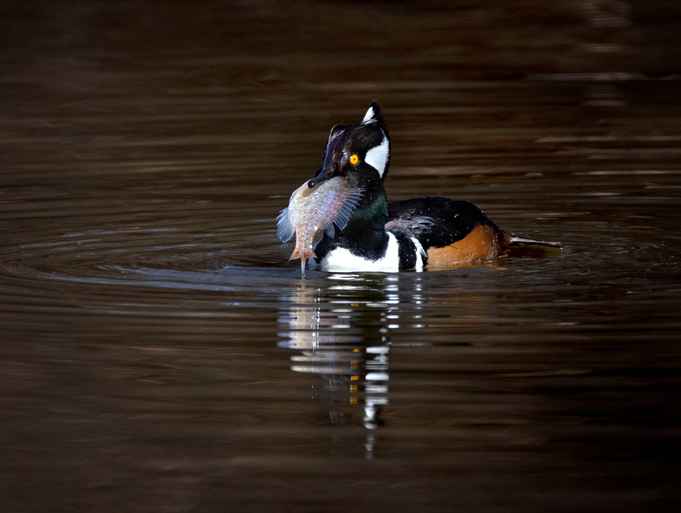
377, 157
369, 116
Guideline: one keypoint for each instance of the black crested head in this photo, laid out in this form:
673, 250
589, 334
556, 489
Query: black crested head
359, 152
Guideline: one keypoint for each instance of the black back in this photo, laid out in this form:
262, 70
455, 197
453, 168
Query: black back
435, 222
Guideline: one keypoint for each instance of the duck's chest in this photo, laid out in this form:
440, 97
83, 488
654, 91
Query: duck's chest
397, 256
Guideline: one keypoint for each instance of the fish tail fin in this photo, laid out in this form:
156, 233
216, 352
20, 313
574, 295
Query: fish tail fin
304, 254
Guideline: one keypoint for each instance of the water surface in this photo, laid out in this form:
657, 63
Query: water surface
159, 352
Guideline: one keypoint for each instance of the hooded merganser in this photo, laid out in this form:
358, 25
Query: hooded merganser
382, 236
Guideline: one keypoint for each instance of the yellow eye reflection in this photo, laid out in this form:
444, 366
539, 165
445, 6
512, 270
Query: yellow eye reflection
354, 159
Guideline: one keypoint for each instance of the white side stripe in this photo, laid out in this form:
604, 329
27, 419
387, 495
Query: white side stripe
420, 254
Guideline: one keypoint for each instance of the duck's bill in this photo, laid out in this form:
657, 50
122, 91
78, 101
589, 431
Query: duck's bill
325, 174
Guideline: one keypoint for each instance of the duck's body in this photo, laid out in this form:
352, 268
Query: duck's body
410, 234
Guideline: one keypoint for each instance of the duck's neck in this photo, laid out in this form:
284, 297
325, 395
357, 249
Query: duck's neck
365, 232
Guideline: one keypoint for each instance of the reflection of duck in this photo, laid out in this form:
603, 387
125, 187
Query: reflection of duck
342, 333
407, 234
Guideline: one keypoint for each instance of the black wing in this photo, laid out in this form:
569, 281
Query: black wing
435, 222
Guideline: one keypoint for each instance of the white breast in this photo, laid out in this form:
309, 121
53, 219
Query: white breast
341, 260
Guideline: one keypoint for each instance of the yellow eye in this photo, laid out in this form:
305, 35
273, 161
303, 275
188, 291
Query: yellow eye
354, 159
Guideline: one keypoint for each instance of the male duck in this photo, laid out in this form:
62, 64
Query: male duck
411, 234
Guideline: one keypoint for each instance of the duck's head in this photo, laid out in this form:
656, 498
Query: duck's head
359, 152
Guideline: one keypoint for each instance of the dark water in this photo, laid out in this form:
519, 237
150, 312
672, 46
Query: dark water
159, 353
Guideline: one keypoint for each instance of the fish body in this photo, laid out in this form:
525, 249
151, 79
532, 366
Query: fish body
313, 209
